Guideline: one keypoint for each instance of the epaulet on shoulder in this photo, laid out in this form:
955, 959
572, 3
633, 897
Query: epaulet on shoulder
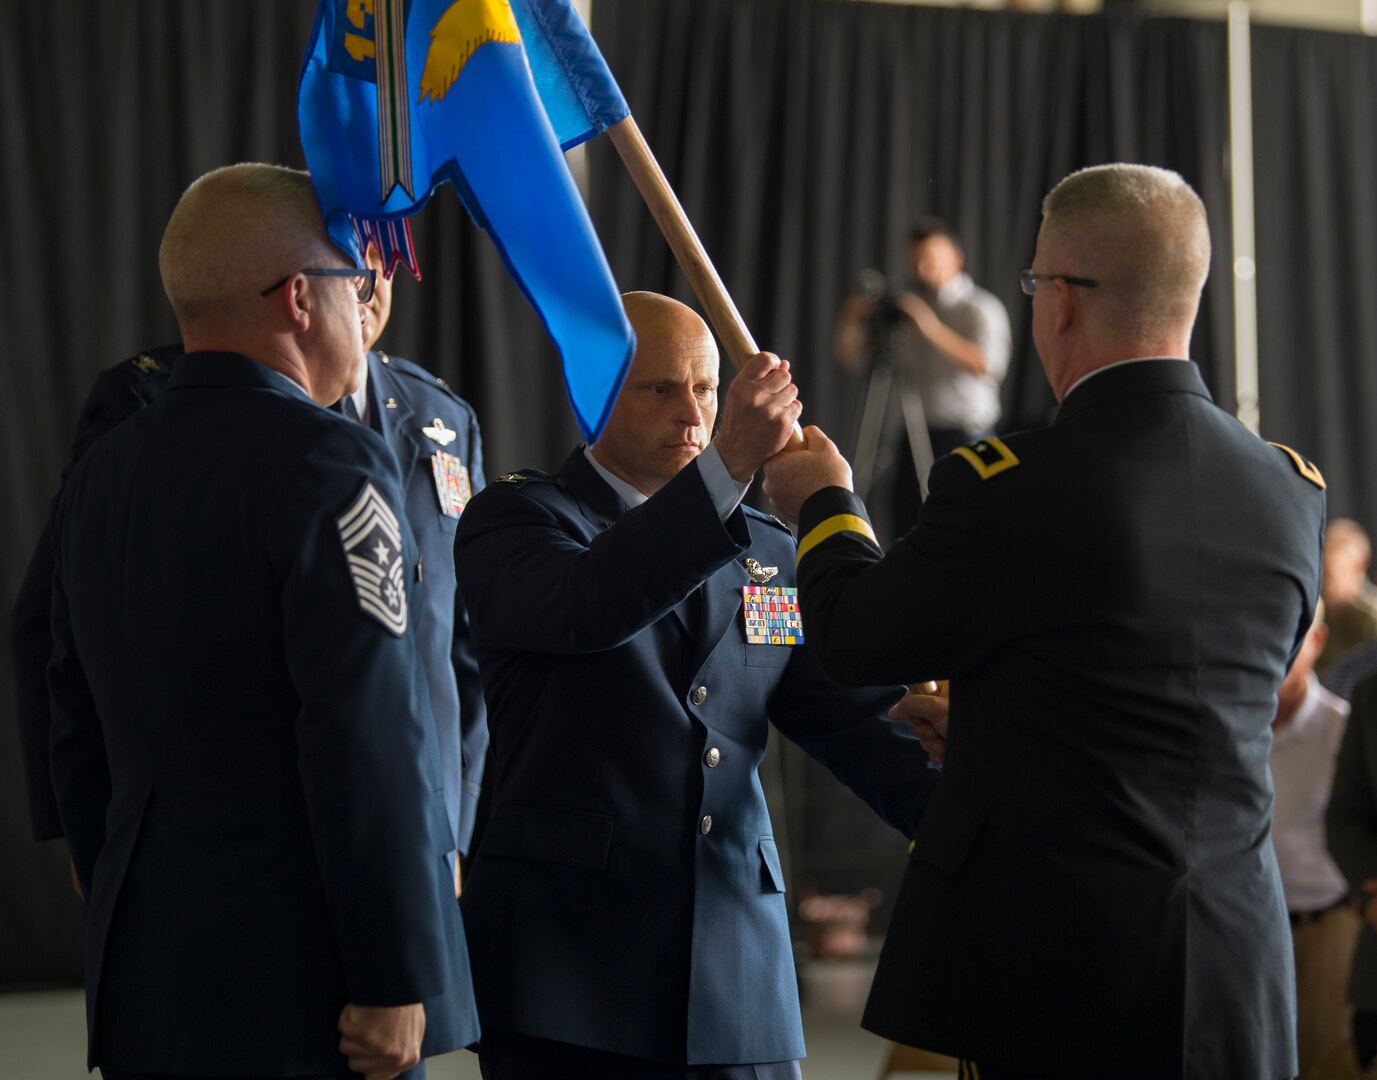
1307, 469
768, 519
415, 371
526, 476
145, 364
988, 457
152, 361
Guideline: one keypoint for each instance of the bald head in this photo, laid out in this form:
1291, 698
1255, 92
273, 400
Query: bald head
664, 414
235, 231
1139, 231
661, 322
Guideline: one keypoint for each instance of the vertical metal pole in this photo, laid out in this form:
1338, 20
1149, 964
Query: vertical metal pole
1241, 183
577, 158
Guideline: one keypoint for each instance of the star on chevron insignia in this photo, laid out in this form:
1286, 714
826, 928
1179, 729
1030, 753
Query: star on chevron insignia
370, 533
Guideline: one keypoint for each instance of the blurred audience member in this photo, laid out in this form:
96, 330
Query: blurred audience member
1324, 926
1349, 597
1351, 832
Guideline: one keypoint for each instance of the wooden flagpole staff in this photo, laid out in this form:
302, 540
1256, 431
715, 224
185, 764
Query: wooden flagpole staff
693, 259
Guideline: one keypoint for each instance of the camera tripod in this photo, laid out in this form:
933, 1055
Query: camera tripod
870, 426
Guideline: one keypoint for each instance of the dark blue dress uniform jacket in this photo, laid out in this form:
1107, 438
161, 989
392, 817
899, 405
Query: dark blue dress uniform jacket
258, 818
118, 393
627, 892
417, 400
456, 695
1116, 600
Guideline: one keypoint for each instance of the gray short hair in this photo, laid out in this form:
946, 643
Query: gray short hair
1140, 231
233, 232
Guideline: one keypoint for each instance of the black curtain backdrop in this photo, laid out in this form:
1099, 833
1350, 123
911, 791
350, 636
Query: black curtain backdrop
1316, 164
803, 137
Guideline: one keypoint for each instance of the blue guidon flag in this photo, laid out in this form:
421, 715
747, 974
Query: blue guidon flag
399, 96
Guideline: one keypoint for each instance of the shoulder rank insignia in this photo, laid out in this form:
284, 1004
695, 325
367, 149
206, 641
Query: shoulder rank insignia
145, 364
452, 484
372, 542
510, 478
759, 574
1305, 468
437, 432
772, 615
988, 457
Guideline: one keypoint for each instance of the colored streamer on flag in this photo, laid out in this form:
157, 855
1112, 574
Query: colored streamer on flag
400, 96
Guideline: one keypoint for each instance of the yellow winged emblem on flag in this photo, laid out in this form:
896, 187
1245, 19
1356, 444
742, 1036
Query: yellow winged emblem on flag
466, 26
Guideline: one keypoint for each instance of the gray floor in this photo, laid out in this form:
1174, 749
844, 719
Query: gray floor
42, 1035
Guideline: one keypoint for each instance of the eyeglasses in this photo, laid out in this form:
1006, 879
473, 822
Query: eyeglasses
1028, 281
364, 280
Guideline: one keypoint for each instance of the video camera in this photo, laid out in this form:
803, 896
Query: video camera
875, 287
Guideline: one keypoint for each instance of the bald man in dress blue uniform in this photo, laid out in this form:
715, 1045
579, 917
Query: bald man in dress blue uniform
636, 634
258, 821
1116, 600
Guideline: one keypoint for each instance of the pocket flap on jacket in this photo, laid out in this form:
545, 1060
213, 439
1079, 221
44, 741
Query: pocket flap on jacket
949, 828
549, 834
769, 855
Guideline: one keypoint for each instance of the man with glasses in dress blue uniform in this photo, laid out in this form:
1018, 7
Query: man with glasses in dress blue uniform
435, 438
258, 820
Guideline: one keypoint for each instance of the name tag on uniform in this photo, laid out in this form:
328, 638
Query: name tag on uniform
772, 615
452, 485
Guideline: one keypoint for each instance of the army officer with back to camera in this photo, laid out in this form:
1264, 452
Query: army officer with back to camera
1116, 600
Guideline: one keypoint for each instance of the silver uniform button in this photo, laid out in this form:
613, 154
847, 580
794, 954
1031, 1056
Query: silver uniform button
712, 757
705, 826
700, 695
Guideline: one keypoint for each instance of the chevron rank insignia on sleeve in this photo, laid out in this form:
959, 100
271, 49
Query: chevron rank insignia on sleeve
372, 542
1305, 468
988, 457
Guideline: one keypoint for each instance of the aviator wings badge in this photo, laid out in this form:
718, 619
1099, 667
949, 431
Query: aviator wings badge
437, 432
760, 574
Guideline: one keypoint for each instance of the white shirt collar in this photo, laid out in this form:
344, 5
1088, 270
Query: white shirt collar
631, 495
360, 396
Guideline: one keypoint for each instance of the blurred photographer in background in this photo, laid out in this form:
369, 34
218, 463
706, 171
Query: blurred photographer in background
946, 342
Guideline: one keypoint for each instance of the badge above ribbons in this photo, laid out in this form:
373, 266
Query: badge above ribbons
372, 540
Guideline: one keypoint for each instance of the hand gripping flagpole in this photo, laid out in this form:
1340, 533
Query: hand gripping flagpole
693, 258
